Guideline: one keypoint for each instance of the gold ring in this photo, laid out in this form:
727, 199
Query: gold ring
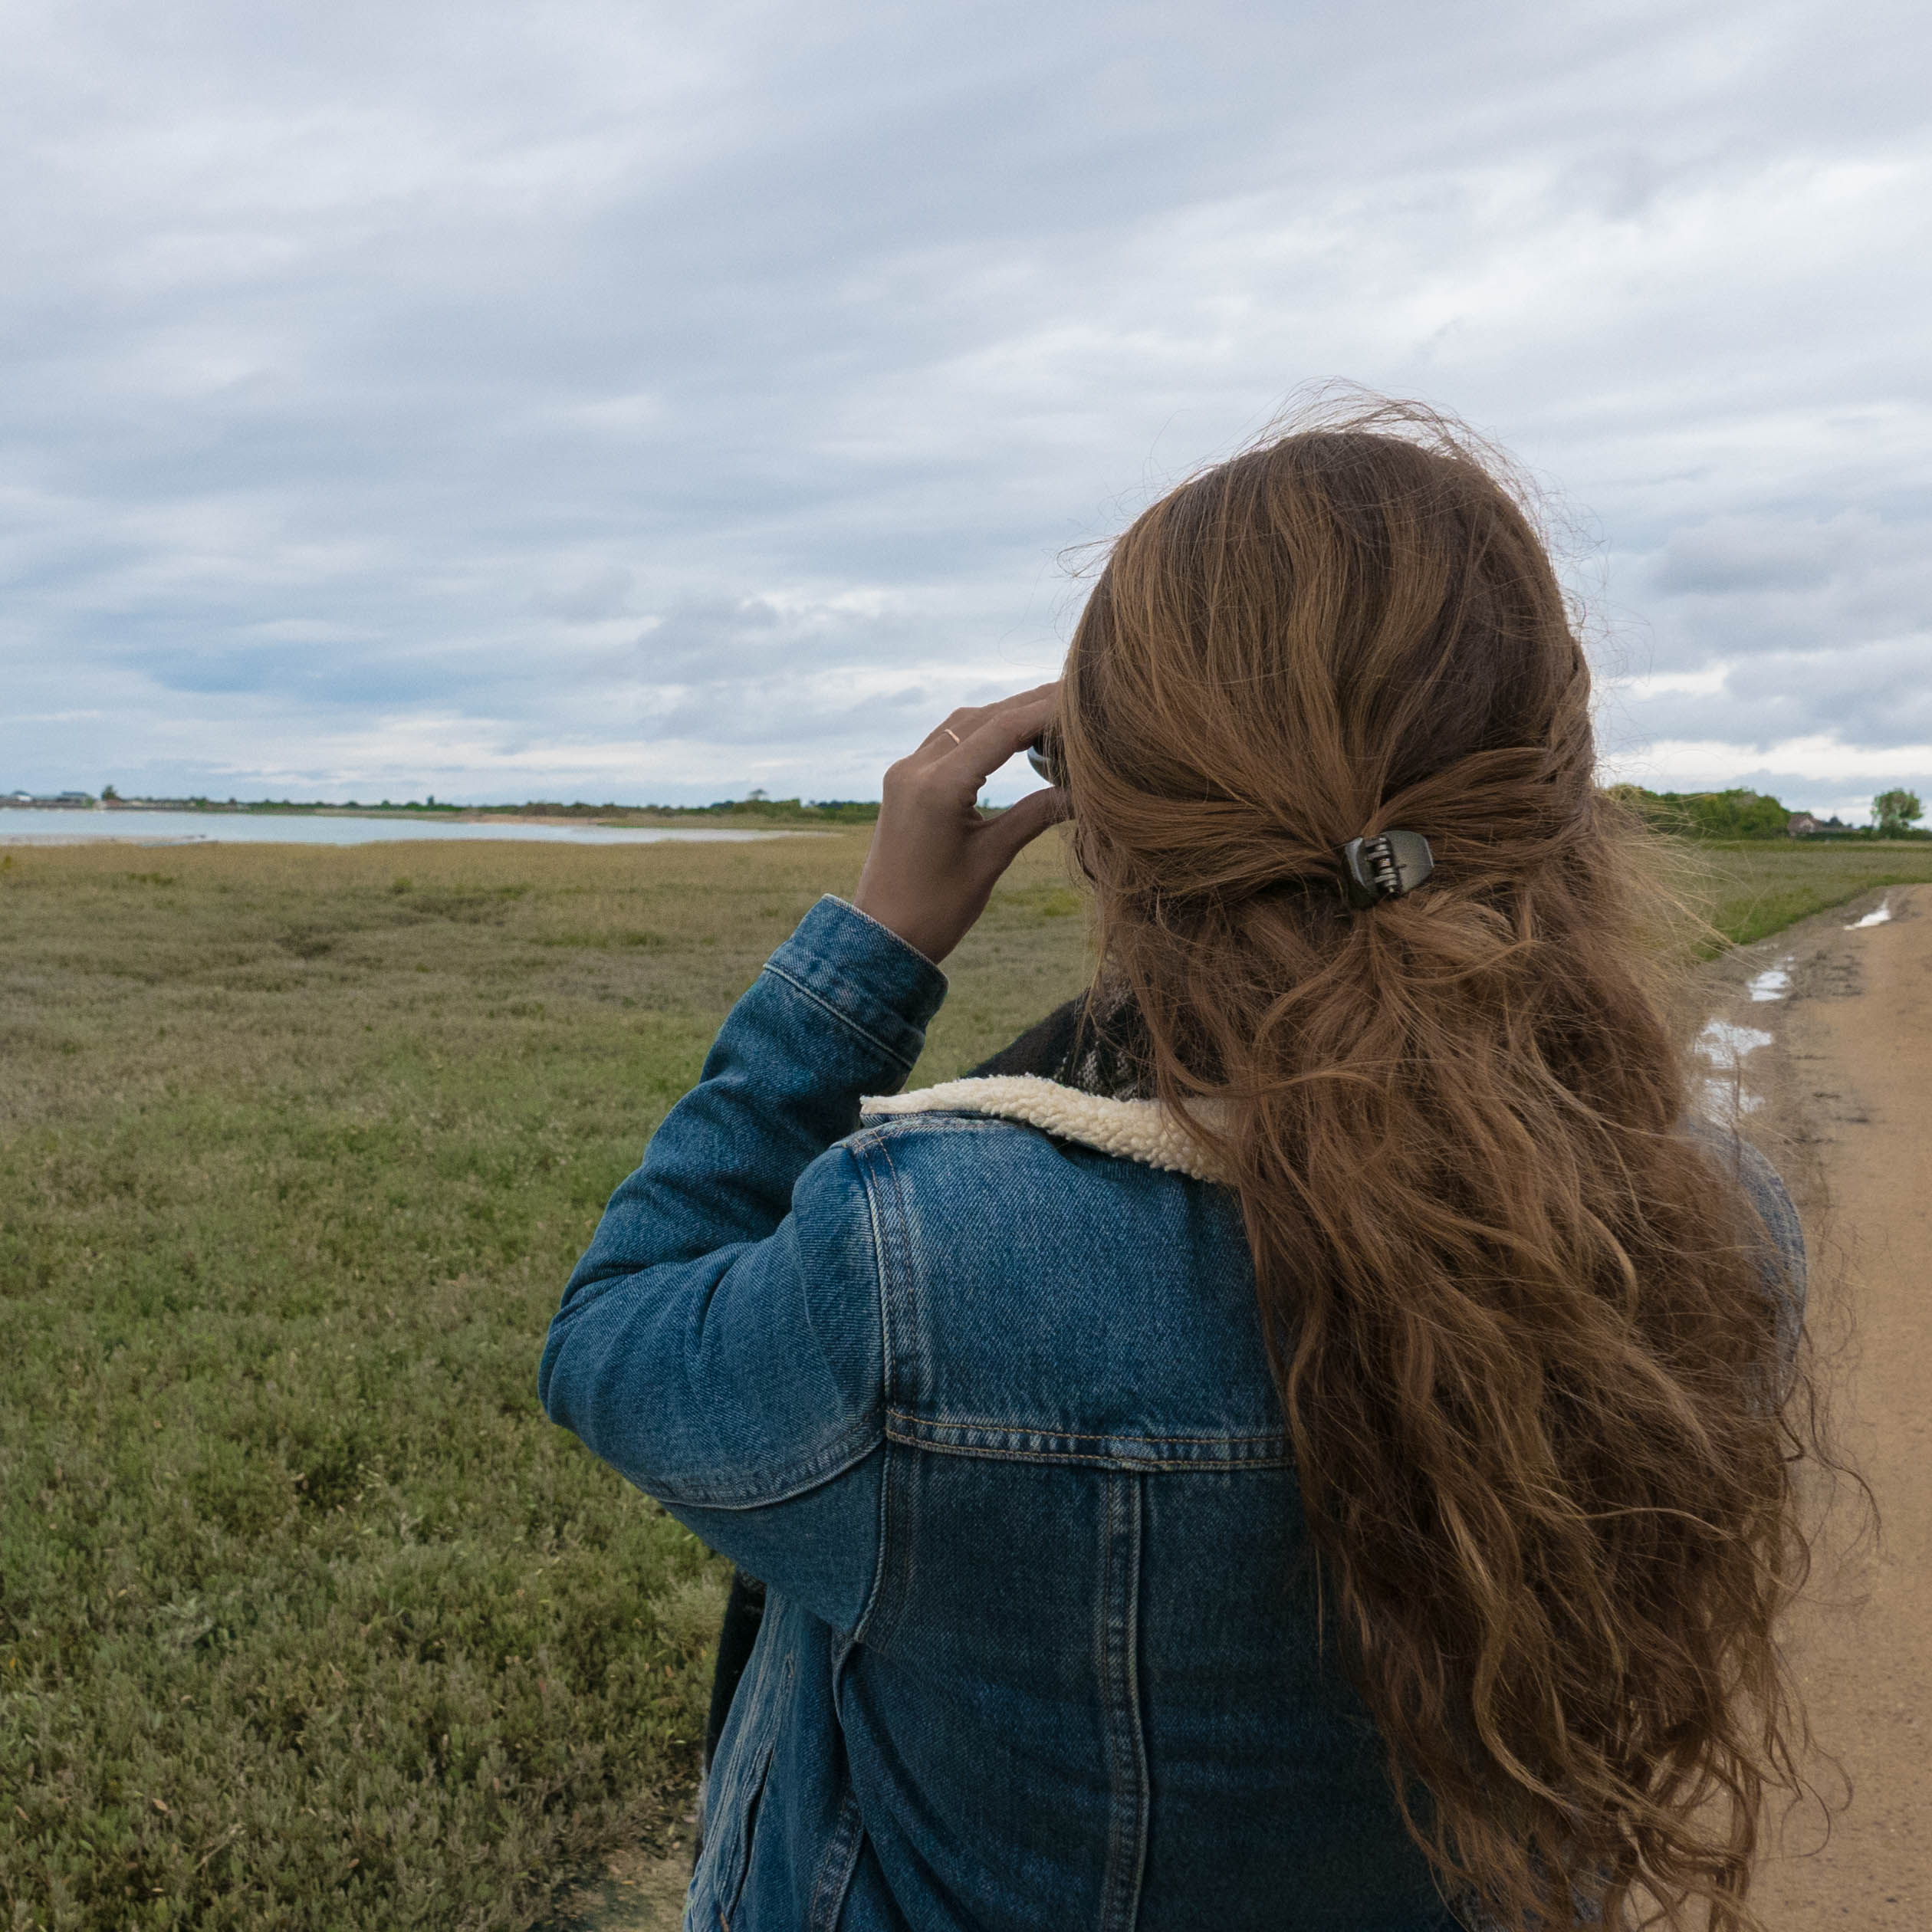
953, 735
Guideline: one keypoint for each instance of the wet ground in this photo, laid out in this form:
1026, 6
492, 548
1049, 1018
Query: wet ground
1826, 1031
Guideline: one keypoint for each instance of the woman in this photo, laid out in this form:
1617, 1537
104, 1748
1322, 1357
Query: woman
1320, 1458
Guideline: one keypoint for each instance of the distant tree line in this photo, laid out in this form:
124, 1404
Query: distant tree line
1742, 813
836, 811
1738, 814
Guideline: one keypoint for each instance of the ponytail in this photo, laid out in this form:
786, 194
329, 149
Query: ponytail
1516, 1315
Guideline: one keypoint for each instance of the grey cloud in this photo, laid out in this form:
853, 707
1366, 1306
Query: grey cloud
671, 367
604, 594
695, 639
1735, 554
1870, 695
790, 714
1798, 596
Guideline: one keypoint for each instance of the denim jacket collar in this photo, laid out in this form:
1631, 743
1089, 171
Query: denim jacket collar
1145, 1131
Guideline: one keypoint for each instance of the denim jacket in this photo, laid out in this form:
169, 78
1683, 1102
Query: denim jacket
976, 1385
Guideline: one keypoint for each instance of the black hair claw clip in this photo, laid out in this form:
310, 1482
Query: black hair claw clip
1384, 867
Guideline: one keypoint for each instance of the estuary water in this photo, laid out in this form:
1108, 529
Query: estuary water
22, 825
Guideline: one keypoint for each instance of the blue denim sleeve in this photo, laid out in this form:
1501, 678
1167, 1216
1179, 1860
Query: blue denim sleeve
720, 1342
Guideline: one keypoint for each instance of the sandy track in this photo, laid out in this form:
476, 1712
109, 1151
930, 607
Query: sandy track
1823, 1033
1842, 1070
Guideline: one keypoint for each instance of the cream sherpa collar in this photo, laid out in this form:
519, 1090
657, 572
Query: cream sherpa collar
1133, 1130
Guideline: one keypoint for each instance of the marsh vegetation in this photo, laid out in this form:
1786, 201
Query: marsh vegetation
307, 1618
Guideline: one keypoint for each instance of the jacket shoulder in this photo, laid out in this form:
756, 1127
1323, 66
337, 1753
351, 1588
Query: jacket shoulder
1040, 1286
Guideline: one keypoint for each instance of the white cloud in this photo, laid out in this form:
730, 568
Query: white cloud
469, 399
1676, 764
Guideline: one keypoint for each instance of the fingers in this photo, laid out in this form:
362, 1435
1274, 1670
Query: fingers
948, 737
1003, 729
969, 720
934, 857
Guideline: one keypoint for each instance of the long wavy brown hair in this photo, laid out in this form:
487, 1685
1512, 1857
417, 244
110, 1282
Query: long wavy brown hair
1519, 1318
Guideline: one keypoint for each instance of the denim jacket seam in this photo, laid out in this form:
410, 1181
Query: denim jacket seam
838, 930
889, 1545
886, 1390
904, 1126
879, 926
889, 1366
1116, 1633
844, 1451
893, 1414
836, 1864
1096, 1459
838, 1013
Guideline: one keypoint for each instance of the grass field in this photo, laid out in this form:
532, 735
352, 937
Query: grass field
1750, 888
307, 1618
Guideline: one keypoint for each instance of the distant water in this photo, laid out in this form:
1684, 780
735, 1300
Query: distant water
23, 825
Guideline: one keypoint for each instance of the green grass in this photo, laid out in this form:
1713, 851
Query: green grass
1752, 888
307, 1618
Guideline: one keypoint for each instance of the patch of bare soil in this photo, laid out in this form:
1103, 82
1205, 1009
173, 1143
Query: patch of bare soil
1822, 1036
640, 1889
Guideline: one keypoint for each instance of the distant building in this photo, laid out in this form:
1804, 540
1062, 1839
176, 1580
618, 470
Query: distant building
1800, 825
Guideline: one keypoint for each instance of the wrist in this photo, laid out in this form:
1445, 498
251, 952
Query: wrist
908, 932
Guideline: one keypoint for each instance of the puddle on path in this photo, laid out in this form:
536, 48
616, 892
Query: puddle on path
1723, 1046
1877, 917
1774, 982
1724, 1043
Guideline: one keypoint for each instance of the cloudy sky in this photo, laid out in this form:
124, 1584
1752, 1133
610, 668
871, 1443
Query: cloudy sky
615, 399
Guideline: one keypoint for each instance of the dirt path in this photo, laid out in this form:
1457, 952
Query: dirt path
1822, 1035
1836, 1048
639, 1890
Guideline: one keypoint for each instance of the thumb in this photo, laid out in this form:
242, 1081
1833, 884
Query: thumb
1016, 828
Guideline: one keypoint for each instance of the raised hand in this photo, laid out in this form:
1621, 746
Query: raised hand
934, 859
